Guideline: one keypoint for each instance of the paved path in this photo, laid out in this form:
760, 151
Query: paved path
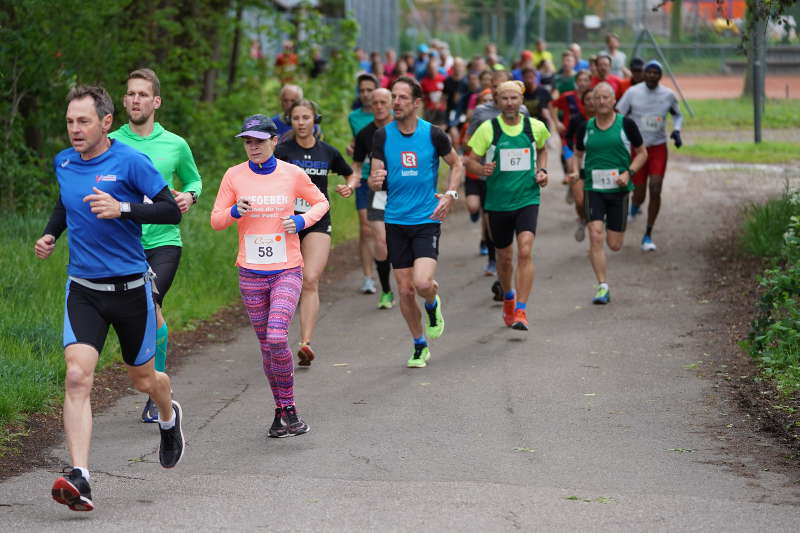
590, 421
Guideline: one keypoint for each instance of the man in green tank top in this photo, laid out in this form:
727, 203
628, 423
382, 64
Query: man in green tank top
513, 147
172, 157
603, 151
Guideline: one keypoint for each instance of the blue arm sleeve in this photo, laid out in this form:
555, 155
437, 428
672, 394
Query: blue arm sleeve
299, 222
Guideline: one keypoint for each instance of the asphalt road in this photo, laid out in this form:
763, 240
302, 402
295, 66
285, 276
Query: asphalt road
593, 420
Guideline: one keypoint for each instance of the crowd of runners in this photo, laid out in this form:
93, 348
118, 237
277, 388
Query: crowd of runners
122, 194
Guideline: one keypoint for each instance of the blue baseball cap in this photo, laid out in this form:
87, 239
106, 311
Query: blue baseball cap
423, 48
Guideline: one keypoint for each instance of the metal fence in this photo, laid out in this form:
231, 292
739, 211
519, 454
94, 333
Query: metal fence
379, 22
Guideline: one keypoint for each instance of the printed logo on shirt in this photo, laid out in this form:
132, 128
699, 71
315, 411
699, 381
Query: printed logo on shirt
64, 163
266, 240
408, 159
106, 177
268, 200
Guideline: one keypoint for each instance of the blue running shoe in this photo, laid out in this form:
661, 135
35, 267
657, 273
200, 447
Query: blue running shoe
484, 250
602, 296
647, 244
634, 212
491, 268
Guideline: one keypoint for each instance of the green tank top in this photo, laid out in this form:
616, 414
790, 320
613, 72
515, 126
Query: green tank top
607, 155
513, 184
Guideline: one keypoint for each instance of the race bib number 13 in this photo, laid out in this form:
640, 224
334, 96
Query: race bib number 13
512, 159
605, 179
266, 249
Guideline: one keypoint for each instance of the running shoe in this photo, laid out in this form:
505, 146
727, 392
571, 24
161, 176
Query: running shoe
73, 491
602, 296
278, 429
508, 311
483, 249
497, 290
150, 412
570, 196
386, 301
294, 424
368, 286
634, 212
491, 268
647, 244
435, 326
170, 452
419, 357
580, 231
305, 354
520, 320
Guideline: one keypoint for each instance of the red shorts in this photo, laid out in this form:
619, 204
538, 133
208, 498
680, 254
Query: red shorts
656, 164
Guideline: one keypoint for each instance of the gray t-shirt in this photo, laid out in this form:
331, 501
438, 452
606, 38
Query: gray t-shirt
618, 62
486, 112
649, 110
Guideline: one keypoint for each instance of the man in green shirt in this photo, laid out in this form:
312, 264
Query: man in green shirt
604, 147
514, 150
565, 80
172, 157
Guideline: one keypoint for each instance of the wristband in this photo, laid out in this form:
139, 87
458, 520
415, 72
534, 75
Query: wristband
631, 172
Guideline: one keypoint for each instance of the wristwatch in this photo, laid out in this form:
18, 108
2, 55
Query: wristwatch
124, 207
194, 196
451, 193
631, 172
543, 170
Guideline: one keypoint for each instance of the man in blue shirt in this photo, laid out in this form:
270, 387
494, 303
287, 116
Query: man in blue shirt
405, 163
102, 185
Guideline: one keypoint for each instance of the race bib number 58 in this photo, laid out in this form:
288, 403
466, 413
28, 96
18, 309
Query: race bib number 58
265, 249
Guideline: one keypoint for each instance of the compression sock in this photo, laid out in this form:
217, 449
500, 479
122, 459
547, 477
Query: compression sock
162, 339
509, 295
521, 305
430, 307
474, 217
383, 268
648, 231
490, 246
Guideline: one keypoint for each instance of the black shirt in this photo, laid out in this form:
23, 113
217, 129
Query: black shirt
363, 145
316, 161
536, 101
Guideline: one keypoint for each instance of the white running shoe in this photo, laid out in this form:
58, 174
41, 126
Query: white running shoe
368, 286
648, 245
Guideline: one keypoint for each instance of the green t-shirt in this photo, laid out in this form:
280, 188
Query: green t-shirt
607, 155
172, 157
565, 83
508, 189
358, 118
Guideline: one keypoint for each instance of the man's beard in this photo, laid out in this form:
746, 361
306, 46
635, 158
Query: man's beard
139, 121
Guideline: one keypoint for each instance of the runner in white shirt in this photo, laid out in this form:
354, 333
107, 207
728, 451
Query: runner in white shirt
648, 104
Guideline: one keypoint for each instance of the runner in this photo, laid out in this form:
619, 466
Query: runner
358, 118
475, 186
259, 196
101, 184
648, 104
606, 142
603, 63
516, 155
289, 95
172, 157
405, 163
382, 108
317, 159
572, 170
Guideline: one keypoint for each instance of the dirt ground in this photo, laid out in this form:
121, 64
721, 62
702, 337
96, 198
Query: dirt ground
731, 86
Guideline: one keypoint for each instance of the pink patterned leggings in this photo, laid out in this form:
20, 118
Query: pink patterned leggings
270, 302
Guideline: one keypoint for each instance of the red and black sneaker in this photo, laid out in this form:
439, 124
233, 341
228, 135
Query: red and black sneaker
73, 491
294, 424
305, 354
278, 429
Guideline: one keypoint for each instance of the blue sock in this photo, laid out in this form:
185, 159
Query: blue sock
421, 340
162, 340
430, 307
509, 295
521, 305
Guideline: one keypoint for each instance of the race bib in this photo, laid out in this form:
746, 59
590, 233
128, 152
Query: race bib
605, 179
512, 159
266, 249
301, 206
652, 123
379, 200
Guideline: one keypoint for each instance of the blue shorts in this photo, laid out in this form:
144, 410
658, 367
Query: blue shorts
362, 195
88, 314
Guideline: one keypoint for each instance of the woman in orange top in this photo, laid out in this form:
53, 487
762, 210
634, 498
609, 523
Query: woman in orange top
259, 196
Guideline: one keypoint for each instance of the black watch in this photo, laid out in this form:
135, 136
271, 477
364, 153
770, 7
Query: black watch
194, 196
631, 173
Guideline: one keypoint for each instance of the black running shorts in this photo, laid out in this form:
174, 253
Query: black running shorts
323, 225
88, 314
474, 187
611, 207
408, 243
503, 225
164, 261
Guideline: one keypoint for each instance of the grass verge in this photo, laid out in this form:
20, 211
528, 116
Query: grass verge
737, 113
746, 152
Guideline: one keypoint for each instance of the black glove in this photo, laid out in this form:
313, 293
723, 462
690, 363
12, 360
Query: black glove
676, 136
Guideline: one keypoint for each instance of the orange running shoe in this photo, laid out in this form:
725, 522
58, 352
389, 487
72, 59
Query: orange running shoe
508, 311
520, 320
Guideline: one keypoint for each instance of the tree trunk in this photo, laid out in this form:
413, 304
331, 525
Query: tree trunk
237, 36
675, 23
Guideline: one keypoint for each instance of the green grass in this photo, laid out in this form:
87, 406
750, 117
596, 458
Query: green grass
737, 114
765, 224
745, 152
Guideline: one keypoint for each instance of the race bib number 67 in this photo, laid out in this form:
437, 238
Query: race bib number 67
512, 159
265, 249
